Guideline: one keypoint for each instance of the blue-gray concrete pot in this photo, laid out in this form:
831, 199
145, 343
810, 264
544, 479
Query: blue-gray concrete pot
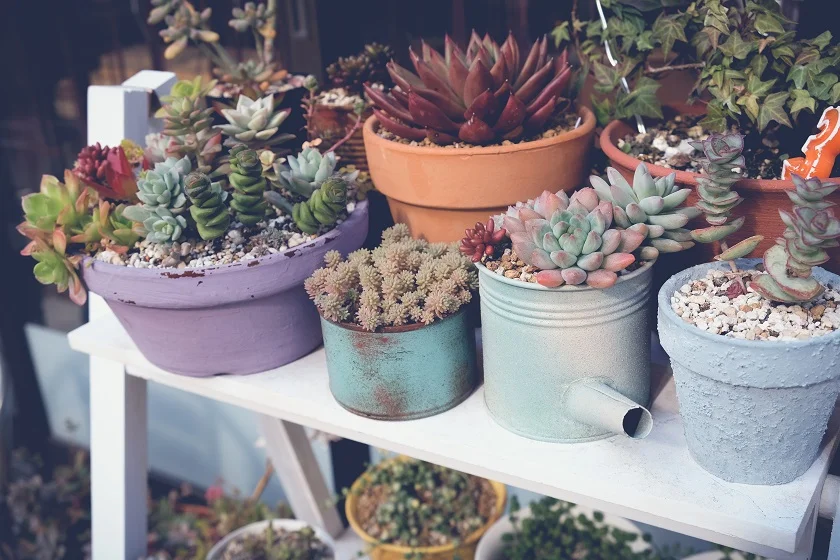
567, 364
754, 411
401, 373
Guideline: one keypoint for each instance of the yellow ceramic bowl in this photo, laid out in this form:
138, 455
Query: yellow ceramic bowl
464, 551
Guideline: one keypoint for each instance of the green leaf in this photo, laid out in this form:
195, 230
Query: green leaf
758, 88
820, 86
750, 104
798, 75
834, 97
783, 52
766, 23
773, 109
560, 34
807, 56
602, 109
802, 100
668, 30
736, 47
641, 101
644, 42
715, 119
758, 64
741, 249
605, 75
822, 40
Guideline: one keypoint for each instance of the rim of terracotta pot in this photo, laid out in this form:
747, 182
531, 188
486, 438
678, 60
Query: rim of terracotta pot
350, 510
359, 213
586, 126
608, 141
647, 265
663, 300
393, 330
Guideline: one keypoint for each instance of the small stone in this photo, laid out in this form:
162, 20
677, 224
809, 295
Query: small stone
511, 274
817, 311
186, 247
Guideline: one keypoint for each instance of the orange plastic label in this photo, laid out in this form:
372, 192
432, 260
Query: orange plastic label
820, 149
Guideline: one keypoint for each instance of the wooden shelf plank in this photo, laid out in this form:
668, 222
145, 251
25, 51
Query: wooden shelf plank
653, 480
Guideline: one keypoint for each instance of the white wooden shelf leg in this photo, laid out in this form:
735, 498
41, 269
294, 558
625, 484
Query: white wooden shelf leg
291, 453
118, 441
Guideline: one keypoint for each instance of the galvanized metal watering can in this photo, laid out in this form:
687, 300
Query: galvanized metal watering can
568, 364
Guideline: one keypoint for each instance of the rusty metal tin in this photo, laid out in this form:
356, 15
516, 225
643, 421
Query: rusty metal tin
401, 373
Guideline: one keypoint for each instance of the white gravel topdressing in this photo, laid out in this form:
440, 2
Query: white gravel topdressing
705, 304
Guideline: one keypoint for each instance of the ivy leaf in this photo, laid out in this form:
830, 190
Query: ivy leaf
798, 75
736, 47
644, 42
606, 77
758, 88
758, 64
802, 100
807, 56
822, 40
560, 34
750, 104
668, 30
834, 97
602, 109
773, 109
820, 85
641, 101
715, 119
766, 23
783, 52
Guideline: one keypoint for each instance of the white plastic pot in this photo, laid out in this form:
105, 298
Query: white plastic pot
260, 526
490, 546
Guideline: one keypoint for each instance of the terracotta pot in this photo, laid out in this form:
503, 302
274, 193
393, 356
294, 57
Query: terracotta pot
439, 191
331, 124
762, 198
239, 318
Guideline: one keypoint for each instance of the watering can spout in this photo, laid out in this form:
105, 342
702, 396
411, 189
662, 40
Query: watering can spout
597, 404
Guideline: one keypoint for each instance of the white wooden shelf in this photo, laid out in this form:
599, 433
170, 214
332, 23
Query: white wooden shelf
652, 480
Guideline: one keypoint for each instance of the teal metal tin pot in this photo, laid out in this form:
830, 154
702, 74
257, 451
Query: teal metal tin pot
567, 364
401, 373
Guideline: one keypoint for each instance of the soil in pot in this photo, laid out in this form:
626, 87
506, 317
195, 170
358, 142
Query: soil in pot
277, 542
404, 505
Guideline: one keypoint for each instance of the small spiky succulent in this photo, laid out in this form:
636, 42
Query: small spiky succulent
208, 208
811, 229
481, 240
570, 240
255, 123
107, 171
248, 185
403, 281
651, 207
481, 96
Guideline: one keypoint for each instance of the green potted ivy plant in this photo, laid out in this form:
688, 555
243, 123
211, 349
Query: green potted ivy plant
752, 72
753, 343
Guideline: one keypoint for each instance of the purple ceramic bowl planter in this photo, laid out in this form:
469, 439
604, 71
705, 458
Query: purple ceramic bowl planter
239, 318
754, 411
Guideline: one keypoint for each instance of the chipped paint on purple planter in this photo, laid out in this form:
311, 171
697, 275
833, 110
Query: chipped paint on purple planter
401, 373
754, 411
239, 318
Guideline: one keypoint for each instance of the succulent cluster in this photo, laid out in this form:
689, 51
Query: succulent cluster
482, 240
187, 123
255, 123
652, 207
482, 96
403, 281
417, 504
185, 24
811, 228
369, 66
163, 200
278, 544
68, 213
309, 189
570, 240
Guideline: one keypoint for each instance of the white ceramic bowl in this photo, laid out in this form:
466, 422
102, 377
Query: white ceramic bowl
490, 546
260, 526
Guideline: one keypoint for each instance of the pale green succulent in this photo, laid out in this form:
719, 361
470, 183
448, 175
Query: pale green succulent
164, 185
162, 226
254, 123
651, 207
305, 173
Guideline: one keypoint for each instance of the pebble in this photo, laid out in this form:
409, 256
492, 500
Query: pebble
704, 304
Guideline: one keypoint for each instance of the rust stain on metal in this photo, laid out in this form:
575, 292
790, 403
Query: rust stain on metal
393, 405
185, 274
